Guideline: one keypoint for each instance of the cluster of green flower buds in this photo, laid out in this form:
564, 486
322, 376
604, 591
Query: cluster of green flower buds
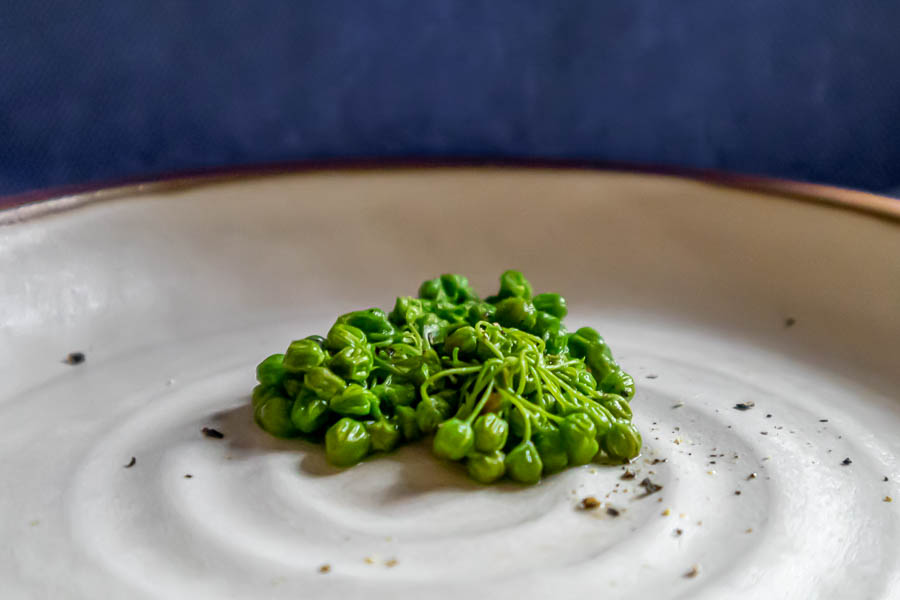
499, 383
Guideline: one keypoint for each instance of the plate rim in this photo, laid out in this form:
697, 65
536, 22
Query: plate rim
28, 206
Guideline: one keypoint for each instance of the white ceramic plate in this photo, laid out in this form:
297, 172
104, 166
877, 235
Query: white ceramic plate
174, 291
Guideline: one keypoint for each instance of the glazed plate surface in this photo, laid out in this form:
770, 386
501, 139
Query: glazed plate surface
711, 296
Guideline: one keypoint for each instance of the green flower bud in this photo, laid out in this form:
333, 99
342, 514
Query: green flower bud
273, 414
310, 413
431, 412
552, 450
523, 463
463, 338
385, 435
271, 370
323, 382
623, 441
353, 363
303, 355
454, 439
618, 382
514, 285
579, 436
486, 468
354, 400
406, 419
372, 322
516, 312
491, 432
551, 303
342, 336
347, 442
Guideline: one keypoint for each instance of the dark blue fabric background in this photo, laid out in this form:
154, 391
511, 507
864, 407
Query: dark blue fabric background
801, 89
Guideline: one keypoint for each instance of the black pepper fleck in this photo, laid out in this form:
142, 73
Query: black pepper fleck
212, 433
131, 463
789, 322
846, 461
613, 512
649, 487
823, 420
75, 358
745, 405
652, 376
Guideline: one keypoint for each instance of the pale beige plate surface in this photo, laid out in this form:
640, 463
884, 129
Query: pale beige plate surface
710, 296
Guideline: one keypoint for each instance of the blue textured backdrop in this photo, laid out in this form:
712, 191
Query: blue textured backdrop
98, 90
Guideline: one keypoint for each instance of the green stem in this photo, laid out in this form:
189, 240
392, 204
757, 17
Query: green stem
481, 403
513, 397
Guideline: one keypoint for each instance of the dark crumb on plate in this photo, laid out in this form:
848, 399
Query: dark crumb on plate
212, 433
769, 416
678, 532
649, 486
188, 476
324, 568
74, 358
789, 322
589, 503
391, 563
846, 461
656, 461
763, 433
823, 420
737, 492
131, 463
885, 478
628, 475
745, 405
652, 376
749, 530
613, 512
752, 476
695, 570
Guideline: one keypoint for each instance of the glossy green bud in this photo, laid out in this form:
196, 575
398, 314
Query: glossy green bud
395, 394
310, 413
617, 406
414, 369
323, 382
516, 312
579, 436
406, 419
623, 441
261, 393
372, 322
523, 463
552, 449
303, 355
514, 285
551, 303
454, 439
347, 442
486, 468
433, 328
618, 382
599, 362
452, 313
463, 338
601, 418
385, 435
407, 309
457, 288
353, 363
481, 311
585, 378
342, 336
517, 422
292, 386
584, 338
353, 401
491, 432
273, 414
271, 370
431, 412
431, 289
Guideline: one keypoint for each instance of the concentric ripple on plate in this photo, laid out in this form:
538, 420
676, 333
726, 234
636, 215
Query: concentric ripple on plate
175, 297
261, 513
